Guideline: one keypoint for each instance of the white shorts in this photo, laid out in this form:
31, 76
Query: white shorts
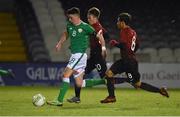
77, 62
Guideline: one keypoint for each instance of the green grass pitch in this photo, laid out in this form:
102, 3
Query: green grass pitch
16, 101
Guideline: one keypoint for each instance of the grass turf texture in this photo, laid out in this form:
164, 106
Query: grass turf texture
18, 101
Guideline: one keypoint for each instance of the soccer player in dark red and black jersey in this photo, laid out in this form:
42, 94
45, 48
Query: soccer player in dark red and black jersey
97, 52
128, 44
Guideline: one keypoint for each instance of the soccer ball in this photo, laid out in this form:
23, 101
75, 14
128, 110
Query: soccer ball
38, 100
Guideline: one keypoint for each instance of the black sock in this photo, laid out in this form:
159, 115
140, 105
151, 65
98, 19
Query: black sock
77, 91
110, 87
149, 87
120, 80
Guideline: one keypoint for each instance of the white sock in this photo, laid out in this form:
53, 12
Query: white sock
67, 80
84, 83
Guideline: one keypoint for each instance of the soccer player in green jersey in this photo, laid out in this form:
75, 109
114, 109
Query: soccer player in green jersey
79, 34
6, 73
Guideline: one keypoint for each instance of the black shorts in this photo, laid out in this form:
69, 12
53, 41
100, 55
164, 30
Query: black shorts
97, 62
130, 67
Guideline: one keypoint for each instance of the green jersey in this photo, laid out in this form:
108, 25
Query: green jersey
79, 36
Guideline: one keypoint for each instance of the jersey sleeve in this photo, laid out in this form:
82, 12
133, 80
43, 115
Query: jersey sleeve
67, 27
89, 29
106, 36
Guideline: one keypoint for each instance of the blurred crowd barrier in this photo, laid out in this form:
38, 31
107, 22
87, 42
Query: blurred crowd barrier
50, 74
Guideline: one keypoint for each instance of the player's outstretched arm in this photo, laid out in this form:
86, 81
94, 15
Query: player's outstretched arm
63, 38
113, 42
102, 41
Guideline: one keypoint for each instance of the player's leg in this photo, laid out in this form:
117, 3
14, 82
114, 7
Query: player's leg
63, 89
65, 84
76, 64
110, 87
78, 84
84, 83
88, 82
100, 65
7, 73
116, 68
151, 88
148, 87
119, 80
4, 72
134, 78
90, 66
92, 82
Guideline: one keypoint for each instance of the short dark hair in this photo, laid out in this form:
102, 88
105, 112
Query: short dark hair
73, 10
126, 17
94, 11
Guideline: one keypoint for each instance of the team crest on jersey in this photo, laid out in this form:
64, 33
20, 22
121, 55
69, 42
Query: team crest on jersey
80, 30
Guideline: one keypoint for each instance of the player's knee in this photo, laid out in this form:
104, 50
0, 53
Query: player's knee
67, 72
65, 76
79, 79
137, 85
109, 73
102, 73
78, 84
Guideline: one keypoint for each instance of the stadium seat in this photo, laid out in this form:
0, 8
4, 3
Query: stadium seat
41, 10
36, 43
52, 23
30, 30
33, 37
167, 59
59, 18
41, 58
156, 38
164, 52
166, 55
109, 57
160, 44
151, 53
39, 3
178, 59
155, 30
45, 17
174, 44
146, 44
13, 57
37, 50
177, 52
47, 24
14, 49
115, 53
12, 46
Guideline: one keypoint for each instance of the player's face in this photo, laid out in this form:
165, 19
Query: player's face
73, 19
91, 19
120, 24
